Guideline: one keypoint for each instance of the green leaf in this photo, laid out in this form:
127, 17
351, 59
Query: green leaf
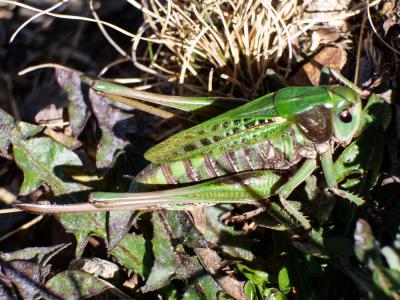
26, 130
133, 254
167, 264
83, 226
362, 159
284, 282
169, 292
172, 262
41, 160
250, 291
258, 277
74, 284
42, 255
388, 281
376, 111
275, 294
232, 242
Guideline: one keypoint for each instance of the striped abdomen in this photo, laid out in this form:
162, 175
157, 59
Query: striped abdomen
279, 153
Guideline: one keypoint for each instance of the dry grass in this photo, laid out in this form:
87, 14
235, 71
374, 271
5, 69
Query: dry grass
225, 47
202, 42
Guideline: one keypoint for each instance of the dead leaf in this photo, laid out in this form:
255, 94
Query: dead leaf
332, 57
78, 110
50, 115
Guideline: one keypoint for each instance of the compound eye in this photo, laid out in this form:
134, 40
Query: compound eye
345, 116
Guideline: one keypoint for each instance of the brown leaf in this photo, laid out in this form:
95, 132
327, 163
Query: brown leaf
27, 277
332, 57
78, 111
50, 115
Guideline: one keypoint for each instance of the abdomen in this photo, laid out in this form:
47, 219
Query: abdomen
279, 153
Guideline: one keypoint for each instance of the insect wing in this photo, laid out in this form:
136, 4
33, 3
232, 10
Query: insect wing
245, 125
293, 100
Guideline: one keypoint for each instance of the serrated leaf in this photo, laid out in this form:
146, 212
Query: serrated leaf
362, 158
376, 111
166, 265
27, 278
172, 262
115, 125
232, 242
83, 226
133, 254
28, 268
78, 110
42, 255
41, 160
183, 229
74, 284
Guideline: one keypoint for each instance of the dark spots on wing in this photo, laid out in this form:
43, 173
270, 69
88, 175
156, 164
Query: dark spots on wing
216, 138
250, 124
262, 121
225, 124
189, 147
235, 130
215, 127
205, 142
236, 122
201, 131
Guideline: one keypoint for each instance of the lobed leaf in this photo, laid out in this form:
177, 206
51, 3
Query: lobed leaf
115, 125
72, 284
42, 160
83, 226
171, 262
